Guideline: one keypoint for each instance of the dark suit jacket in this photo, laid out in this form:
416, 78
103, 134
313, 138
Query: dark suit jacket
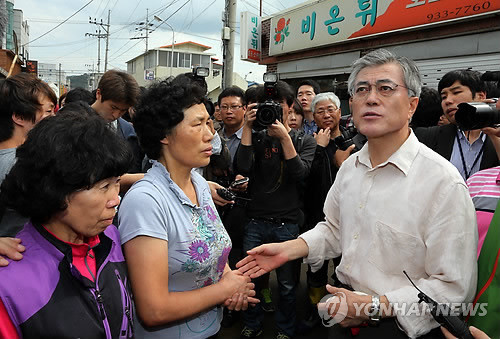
441, 138
127, 132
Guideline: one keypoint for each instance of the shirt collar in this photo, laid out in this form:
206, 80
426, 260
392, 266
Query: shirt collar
238, 133
461, 135
402, 158
197, 180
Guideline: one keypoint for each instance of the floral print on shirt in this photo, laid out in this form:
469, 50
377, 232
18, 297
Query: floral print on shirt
208, 250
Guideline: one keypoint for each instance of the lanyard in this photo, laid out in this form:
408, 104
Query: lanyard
468, 173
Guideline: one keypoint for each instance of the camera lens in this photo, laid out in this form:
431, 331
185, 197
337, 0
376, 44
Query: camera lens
266, 116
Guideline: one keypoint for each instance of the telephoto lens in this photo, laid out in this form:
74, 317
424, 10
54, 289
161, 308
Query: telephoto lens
476, 115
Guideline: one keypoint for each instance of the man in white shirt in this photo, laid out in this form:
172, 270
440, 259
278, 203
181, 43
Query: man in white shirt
395, 205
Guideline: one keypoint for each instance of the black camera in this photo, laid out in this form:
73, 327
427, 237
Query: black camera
269, 111
226, 194
350, 136
476, 115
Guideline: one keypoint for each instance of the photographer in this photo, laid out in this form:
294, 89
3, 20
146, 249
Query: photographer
469, 151
276, 160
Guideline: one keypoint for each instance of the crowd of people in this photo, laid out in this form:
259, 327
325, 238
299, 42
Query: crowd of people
168, 225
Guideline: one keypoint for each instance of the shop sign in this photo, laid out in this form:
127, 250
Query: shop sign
328, 22
250, 37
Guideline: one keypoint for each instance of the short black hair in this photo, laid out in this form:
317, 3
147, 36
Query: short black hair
466, 77
282, 91
492, 89
161, 108
119, 86
297, 107
315, 86
79, 94
80, 107
428, 110
233, 91
252, 94
20, 95
61, 155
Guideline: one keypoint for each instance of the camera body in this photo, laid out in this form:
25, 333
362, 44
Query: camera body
269, 111
350, 136
476, 115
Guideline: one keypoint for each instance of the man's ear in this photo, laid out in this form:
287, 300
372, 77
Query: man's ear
18, 120
98, 95
413, 106
480, 96
164, 141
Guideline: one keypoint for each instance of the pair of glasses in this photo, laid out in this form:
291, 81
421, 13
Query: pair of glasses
232, 108
384, 88
330, 111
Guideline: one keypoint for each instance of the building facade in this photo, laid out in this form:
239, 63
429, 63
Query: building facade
158, 64
320, 39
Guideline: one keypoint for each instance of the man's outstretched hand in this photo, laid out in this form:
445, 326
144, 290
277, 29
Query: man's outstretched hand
263, 259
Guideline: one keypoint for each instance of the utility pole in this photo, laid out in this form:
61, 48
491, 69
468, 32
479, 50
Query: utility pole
60, 84
228, 36
105, 27
107, 44
173, 42
99, 36
144, 26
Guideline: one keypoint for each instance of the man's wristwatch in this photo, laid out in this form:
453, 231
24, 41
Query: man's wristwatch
375, 311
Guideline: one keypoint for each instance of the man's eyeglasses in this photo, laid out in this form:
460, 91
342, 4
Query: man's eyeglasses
232, 108
330, 111
384, 88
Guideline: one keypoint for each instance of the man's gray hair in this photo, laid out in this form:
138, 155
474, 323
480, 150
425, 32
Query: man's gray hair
325, 96
382, 56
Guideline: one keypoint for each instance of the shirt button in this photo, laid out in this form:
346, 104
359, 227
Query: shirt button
355, 236
360, 206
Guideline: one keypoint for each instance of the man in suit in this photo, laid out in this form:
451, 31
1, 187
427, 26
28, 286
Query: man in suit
116, 93
468, 151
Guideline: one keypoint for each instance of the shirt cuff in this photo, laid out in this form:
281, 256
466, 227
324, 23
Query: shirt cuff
412, 316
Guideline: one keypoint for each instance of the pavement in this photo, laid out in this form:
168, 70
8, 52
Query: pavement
269, 330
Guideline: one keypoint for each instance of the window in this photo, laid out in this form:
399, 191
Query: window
205, 61
185, 60
176, 56
196, 60
131, 67
150, 60
164, 56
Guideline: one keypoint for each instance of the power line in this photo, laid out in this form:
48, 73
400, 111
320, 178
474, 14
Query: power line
104, 9
164, 20
270, 5
157, 11
72, 15
202, 12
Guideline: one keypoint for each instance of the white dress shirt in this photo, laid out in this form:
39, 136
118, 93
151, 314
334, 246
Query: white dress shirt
413, 213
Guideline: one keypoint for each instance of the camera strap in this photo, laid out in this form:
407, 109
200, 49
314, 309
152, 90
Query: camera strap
468, 173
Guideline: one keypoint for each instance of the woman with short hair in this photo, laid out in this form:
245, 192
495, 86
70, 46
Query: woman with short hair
174, 241
72, 280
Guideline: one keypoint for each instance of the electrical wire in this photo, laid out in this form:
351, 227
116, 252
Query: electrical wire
72, 15
178, 9
202, 12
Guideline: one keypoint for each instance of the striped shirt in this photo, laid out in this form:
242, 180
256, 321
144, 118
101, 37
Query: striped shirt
484, 189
